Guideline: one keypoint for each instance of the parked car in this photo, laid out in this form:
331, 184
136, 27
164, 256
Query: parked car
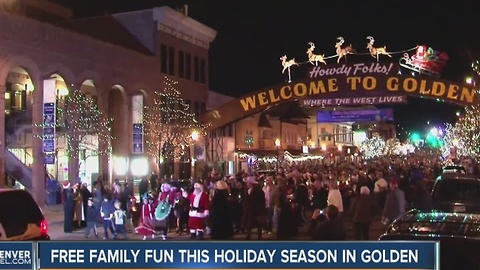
456, 193
21, 219
459, 235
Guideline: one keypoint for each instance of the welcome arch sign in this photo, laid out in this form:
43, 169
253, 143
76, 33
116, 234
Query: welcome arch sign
344, 84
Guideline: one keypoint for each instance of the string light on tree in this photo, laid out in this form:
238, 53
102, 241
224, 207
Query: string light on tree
169, 123
467, 132
392, 146
373, 147
450, 141
82, 124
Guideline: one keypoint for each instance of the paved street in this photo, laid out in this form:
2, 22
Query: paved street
54, 216
56, 233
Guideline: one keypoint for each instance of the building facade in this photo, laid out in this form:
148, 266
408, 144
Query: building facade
125, 65
329, 135
219, 145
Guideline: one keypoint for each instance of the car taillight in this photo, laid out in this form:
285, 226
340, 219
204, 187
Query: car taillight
44, 227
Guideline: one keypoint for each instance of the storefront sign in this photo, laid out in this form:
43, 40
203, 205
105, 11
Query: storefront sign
49, 159
49, 119
137, 129
353, 101
342, 81
137, 133
356, 116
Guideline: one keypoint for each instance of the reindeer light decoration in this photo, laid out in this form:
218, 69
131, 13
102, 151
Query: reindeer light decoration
314, 58
342, 52
287, 64
376, 52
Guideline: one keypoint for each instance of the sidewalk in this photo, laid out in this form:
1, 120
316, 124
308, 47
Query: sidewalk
53, 214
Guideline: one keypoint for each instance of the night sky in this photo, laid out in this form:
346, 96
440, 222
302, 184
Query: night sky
252, 35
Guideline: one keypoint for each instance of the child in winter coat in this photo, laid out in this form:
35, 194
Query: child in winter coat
119, 217
92, 215
106, 212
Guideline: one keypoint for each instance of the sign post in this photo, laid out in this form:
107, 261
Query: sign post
137, 128
49, 120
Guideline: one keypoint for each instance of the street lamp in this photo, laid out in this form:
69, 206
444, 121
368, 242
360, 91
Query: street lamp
195, 135
469, 80
277, 144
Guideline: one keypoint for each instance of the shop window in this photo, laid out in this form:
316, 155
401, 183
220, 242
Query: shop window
171, 61
188, 66
203, 73
249, 138
181, 64
196, 69
163, 58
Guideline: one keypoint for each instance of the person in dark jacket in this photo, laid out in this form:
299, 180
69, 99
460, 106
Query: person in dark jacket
220, 213
319, 196
86, 195
91, 219
255, 213
363, 209
332, 229
143, 187
106, 212
421, 199
68, 197
286, 224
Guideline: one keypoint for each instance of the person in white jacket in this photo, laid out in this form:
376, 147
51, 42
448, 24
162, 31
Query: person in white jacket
334, 196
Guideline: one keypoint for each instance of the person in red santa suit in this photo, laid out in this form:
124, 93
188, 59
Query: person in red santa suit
199, 211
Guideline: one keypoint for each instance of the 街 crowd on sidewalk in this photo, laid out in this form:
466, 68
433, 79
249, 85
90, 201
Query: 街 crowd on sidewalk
302, 200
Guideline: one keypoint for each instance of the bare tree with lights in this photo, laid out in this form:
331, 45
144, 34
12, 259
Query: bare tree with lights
82, 125
392, 147
451, 141
170, 127
373, 147
465, 135
466, 132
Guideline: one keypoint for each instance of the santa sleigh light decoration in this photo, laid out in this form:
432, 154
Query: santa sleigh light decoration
425, 61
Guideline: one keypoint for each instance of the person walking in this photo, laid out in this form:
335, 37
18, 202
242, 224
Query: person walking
395, 203
363, 209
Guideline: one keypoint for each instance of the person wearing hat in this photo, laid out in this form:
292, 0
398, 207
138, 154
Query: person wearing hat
395, 203
165, 203
221, 213
199, 211
91, 218
255, 213
146, 227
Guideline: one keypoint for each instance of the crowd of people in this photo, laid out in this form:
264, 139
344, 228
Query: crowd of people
319, 197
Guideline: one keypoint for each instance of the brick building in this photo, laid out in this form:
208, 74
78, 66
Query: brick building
116, 59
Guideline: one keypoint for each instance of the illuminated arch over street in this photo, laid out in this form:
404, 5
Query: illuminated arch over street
345, 84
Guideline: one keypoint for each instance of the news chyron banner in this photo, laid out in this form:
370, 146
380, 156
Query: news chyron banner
17, 255
220, 255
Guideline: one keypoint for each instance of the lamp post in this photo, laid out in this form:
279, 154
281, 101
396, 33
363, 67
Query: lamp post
195, 135
277, 144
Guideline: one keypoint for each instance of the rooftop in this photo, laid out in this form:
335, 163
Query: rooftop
108, 29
